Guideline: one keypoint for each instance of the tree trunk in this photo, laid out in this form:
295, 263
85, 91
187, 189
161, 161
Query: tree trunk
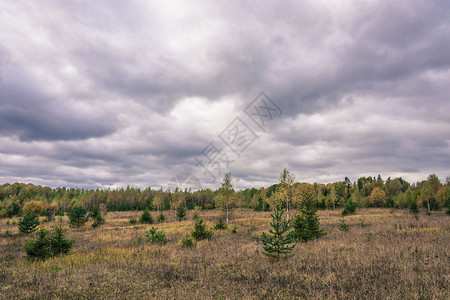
227, 214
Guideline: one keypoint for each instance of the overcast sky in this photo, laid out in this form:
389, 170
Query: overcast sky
116, 93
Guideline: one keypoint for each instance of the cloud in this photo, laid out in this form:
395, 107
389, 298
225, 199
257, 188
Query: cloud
111, 94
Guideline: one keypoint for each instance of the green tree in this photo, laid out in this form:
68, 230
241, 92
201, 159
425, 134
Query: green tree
146, 217
78, 216
349, 207
284, 191
28, 223
200, 232
279, 239
225, 198
45, 245
156, 236
181, 213
307, 225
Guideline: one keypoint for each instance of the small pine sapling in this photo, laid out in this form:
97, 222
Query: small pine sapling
28, 223
156, 236
220, 225
187, 242
343, 226
307, 225
181, 213
78, 217
146, 217
161, 217
349, 207
200, 232
278, 241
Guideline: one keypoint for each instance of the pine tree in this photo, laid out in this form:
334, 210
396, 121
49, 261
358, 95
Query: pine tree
146, 217
277, 243
307, 225
28, 223
78, 217
181, 213
349, 207
200, 232
220, 225
59, 244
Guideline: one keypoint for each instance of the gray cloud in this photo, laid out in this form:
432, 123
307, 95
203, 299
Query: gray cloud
113, 93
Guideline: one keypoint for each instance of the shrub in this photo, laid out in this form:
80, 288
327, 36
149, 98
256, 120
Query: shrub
78, 217
277, 243
161, 217
146, 217
448, 211
349, 207
156, 236
187, 242
181, 213
45, 246
234, 230
220, 225
343, 226
200, 232
306, 225
33, 207
28, 223
132, 221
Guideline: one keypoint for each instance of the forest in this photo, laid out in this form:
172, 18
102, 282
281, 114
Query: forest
366, 192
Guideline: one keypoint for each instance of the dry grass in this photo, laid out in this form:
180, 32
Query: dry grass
393, 257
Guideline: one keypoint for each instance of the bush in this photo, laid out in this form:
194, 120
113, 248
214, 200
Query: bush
349, 207
306, 225
146, 217
276, 243
448, 211
28, 223
156, 236
45, 246
220, 225
78, 217
181, 213
200, 232
132, 221
187, 242
161, 217
33, 207
234, 230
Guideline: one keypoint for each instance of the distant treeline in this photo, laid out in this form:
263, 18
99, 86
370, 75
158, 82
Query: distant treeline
431, 194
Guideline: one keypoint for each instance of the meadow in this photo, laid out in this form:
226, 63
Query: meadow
385, 254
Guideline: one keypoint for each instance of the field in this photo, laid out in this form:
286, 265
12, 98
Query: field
394, 256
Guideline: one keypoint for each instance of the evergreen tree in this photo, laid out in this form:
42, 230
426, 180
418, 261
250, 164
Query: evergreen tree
220, 225
161, 217
181, 213
45, 245
28, 223
60, 245
200, 232
277, 243
78, 217
349, 207
307, 225
146, 217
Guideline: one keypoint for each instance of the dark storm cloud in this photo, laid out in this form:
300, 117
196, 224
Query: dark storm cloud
116, 93
29, 113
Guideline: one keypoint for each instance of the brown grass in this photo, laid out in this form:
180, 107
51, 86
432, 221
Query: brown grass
394, 257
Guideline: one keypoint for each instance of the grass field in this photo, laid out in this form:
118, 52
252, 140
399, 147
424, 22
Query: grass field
394, 256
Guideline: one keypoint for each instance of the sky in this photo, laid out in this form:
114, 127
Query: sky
106, 94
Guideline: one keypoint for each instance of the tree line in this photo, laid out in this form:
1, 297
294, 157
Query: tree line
430, 194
